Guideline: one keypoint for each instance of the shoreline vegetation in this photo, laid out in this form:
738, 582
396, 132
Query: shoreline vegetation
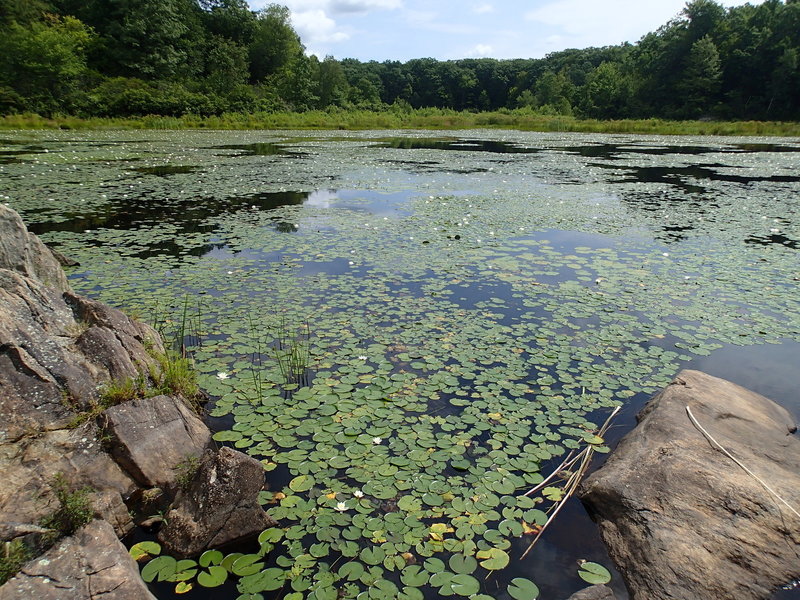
424, 118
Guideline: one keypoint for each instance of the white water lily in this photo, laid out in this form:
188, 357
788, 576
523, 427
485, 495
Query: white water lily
377, 440
362, 357
358, 494
341, 506
222, 375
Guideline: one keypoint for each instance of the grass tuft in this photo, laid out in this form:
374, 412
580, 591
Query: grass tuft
13, 555
74, 510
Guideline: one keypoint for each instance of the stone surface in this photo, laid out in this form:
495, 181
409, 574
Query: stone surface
90, 565
56, 350
30, 465
151, 437
24, 253
595, 592
220, 505
681, 520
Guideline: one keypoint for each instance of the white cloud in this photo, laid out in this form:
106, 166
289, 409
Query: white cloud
479, 51
315, 27
362, 6
482, 9
608, 22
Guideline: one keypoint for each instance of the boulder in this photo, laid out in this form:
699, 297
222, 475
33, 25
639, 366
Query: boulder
151, 437
219, 506
680, 518
90, 565
594, 592
24, 253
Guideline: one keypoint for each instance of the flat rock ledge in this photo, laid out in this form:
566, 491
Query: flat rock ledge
92, 564
152, 436
681, 520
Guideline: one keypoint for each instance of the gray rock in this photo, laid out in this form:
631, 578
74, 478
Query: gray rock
151, 437
595, 592
24, 253
30, 465
681, 519
220, 505
90, 565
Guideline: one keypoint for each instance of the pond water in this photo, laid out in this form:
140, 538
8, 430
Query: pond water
412, 329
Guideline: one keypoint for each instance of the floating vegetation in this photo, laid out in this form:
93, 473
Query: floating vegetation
166, 170
473, 317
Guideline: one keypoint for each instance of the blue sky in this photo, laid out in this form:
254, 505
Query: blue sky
450, 29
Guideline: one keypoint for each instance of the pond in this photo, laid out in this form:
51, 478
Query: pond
411, 330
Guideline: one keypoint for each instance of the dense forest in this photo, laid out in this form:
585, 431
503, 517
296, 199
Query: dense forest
123, 58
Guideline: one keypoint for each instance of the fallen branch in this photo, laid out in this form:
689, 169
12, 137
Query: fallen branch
572, 483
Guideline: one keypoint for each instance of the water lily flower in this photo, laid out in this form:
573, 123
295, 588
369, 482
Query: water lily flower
377, 440
222, 375
362, 357
341, 506
358, 494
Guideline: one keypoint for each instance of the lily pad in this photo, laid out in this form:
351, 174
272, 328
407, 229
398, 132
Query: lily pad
594, 573
522, 589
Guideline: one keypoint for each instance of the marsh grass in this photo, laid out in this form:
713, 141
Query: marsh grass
289, 347
292, 353
523, 119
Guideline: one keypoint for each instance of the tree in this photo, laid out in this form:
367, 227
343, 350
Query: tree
231, 19
606, 93
332, 87
45, 62
23, 11
701, 79
554, 90
275, 43
146, 38
226, 66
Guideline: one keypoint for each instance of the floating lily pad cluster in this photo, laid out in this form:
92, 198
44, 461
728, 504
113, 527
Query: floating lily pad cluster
468, 318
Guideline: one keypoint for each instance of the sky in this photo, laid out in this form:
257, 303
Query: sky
451, 29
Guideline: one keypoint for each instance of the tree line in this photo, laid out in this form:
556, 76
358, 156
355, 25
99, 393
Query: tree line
120, 58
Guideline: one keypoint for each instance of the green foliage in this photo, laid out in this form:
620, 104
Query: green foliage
13, 555
210, 57
122, 390
74, 510
702, 79
44, 62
